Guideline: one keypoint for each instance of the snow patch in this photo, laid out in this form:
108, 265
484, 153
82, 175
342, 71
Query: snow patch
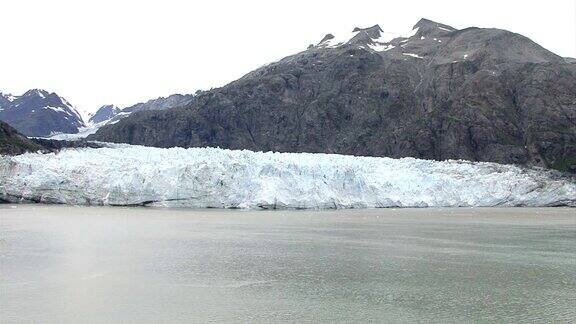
387, 37
56, 109
413, 55
381, 47
413, 32
210, 177
338, 39
379, 43
71, 108
71, 112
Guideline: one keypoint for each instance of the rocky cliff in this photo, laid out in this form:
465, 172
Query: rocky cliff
13, 143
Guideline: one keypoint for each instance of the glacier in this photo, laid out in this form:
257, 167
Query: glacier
126, 175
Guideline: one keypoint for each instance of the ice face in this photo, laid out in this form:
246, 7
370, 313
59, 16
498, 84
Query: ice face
211, 177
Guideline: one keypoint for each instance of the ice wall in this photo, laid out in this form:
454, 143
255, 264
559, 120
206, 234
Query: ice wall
210, 177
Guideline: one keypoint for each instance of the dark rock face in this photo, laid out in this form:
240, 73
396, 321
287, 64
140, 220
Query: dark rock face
52, 145
40, 113
474, 94
104, 113
13, 143
161, 103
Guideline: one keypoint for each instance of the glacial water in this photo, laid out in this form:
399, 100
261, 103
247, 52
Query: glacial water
61, 264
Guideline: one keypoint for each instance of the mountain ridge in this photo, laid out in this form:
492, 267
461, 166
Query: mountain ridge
38, 112
479, 94
112, 113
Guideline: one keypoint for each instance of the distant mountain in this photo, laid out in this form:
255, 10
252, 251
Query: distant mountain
111, 114
478, 94
39, 113
173, 101
13, 143
5, 100
104, 113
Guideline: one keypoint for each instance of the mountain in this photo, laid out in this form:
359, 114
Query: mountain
172, 101
5, 100
39, 113
13, 143
479, 94
104, 113
113, 114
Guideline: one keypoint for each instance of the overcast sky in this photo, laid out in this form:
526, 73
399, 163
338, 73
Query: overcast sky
123, 52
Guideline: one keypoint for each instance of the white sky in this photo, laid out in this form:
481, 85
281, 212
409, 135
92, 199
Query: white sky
124, 52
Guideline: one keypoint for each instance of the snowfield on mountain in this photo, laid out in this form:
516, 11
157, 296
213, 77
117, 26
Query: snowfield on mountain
211, 177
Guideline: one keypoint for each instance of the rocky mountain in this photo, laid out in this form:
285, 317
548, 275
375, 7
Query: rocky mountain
5, 100
13, 143
111, 114
104, 113
172, 101
39, 113
478, 94
161, 103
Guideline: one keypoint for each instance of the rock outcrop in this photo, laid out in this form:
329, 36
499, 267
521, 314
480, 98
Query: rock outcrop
14, 143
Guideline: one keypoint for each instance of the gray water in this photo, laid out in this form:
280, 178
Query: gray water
111, 265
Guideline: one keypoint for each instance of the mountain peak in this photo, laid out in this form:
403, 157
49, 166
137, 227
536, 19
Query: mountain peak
7, 96
104, 113
376, 38
40, 113
37, 92
428, 27
366, 36
358, 36
109, 107
374, 30
326, 38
